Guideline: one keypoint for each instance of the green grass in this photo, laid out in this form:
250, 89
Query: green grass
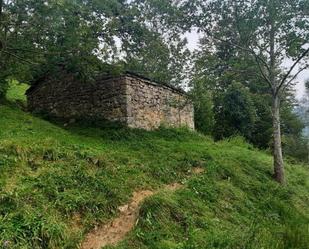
57, 182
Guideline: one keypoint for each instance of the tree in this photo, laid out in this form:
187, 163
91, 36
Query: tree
157, 48
84, 37
271, 31
294, 143
235, 113
302, 142
203, 107
37, 36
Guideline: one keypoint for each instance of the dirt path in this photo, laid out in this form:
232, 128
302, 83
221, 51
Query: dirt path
115, 231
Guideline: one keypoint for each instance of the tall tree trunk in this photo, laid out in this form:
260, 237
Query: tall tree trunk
277, 149
1, 24
1, 5
1, 11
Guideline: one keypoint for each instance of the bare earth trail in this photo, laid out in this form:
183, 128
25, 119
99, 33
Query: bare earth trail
115, 231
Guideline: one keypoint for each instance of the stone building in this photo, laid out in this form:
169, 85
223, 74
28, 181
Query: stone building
133, 100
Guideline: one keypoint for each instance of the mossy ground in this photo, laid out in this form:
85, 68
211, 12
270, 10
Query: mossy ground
57, 182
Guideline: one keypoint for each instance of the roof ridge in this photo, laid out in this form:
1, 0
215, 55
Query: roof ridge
111, 76
178, 89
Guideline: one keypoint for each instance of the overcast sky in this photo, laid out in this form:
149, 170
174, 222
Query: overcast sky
193, 39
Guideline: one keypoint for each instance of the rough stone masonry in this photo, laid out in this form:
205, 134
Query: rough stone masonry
133, 100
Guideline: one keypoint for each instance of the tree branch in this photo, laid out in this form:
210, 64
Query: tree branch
1, 7
295, 76
19, 58
249, 50
291, 69
260, 58
264, 76
231, 43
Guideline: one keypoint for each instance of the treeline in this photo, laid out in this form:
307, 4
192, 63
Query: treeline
243, 66
229, 88
238, 110
238, 76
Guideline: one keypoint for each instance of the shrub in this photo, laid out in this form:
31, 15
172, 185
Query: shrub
234, 112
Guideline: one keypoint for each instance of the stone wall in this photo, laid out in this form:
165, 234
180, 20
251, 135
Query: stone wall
131, 100
68, 98
151, 105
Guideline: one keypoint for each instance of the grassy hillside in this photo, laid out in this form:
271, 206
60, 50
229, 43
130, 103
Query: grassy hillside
57, 182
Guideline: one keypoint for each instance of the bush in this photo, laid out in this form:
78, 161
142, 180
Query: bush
203, 108
296, 147
203, 113
234, 112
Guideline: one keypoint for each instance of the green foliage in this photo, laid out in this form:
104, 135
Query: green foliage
235, 46
262, 130
53, 33
296, 147
16, 91
83, 37
203, 109
152, 59
291, 123
216, 69
303, 109
56, 183
295, 144
234, 112
203, 114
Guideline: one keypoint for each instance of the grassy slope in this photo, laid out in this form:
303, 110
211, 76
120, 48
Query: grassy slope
56, 183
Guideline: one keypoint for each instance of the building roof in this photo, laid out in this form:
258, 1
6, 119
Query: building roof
126, 73
153, 82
